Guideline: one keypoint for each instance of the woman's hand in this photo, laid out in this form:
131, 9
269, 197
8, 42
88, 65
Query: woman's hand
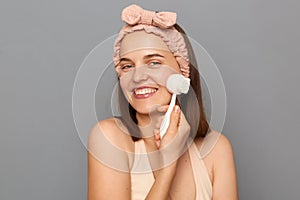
164, 151
178, 128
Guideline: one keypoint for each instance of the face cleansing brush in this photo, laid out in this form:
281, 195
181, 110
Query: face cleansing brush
176, 84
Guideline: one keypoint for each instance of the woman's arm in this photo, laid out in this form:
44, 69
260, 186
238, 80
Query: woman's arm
225, 183
104, 182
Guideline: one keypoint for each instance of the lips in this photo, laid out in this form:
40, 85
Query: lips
144, 92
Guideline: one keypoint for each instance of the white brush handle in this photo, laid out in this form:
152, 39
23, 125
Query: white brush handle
166, 120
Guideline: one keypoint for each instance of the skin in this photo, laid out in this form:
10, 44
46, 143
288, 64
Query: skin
176, 181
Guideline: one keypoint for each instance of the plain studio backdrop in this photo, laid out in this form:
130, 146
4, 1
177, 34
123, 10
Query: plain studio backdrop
255, 44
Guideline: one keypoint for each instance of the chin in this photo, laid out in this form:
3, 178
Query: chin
143, 109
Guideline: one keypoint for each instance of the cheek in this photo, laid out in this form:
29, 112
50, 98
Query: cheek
161, 74
124, 86
125, 82
164, 96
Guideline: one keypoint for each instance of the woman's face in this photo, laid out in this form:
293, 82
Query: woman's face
143, 74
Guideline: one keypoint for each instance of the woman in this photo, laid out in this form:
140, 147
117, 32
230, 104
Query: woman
151, 47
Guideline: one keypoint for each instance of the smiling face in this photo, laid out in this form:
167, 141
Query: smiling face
145, 65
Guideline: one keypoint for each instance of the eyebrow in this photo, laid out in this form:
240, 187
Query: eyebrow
145, 57
153, 55
124, 59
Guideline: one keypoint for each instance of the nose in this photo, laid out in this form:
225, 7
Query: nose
140, 74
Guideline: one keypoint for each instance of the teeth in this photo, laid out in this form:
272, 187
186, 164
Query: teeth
145, 91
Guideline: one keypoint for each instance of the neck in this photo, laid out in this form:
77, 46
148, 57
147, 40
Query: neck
144, 125
143, 119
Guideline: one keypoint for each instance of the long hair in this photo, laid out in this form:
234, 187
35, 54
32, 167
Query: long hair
191, 103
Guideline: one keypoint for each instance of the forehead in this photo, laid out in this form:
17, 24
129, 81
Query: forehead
140, 40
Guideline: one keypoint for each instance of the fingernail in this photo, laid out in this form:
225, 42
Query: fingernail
176, 109
157, 144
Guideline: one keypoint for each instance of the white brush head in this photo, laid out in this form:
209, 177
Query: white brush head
178, 84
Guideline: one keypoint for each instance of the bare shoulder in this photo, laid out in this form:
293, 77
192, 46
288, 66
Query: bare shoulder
105, 127
215, 148
222, 149
111, 130
223, 144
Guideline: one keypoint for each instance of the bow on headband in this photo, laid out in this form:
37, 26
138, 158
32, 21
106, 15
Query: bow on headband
134, 14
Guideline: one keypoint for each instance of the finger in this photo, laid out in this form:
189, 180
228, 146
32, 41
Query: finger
158, 123
184, 126
157, 143
180, 118
157, 138
183, 121
156, 134
174, 120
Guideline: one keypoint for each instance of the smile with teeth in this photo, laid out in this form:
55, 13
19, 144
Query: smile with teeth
143, 91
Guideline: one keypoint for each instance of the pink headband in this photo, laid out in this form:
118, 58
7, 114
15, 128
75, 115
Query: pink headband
158, 23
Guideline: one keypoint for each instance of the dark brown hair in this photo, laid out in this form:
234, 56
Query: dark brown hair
190, 103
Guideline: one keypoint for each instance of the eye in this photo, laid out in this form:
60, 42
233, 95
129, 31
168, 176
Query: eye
126, 67
155, 63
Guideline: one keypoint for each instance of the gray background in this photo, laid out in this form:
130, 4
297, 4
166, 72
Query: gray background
255, 44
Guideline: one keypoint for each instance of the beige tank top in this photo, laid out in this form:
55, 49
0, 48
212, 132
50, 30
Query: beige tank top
142, 177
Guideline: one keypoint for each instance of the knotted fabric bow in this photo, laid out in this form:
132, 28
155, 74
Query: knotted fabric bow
134, 15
